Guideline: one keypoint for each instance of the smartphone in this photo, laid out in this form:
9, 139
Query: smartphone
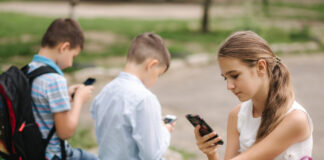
169, 119
87, 82
204, 127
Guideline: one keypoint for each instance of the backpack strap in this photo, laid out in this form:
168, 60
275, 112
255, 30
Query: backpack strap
63, 149
49, 136
62, 144
38, 72
34, 74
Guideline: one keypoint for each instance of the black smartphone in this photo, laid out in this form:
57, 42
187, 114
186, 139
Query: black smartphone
204, 127
169, 119
87, 82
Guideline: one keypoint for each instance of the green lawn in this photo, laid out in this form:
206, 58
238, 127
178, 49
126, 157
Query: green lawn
181, 35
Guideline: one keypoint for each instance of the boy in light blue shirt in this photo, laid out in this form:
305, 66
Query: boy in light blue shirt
127, 115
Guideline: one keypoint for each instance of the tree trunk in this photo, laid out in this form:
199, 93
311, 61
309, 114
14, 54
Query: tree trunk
73, 3
205, 21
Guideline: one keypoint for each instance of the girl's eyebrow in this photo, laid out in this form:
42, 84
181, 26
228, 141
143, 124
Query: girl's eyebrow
229, 72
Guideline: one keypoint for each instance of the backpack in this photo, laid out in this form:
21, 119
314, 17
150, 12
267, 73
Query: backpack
20, 136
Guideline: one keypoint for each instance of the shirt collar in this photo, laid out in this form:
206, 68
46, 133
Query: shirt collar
130, 76
45, 60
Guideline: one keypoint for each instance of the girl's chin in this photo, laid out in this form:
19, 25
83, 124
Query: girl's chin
242, 99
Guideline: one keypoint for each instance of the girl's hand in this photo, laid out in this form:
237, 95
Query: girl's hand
207, 147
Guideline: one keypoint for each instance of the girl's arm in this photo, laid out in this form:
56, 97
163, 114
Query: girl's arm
293, 129
233, 143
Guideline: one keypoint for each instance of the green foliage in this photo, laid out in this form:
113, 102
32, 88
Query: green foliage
316, 7
185, 154
179, 34
319, 7
15, 25
302, 34
178, 52
17, 48
83, 138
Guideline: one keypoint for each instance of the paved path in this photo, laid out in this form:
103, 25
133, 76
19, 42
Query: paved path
119, 10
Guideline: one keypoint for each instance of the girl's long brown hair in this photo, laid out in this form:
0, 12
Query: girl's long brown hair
249, 48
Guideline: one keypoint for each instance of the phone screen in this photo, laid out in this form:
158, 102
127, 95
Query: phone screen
87, 82
204, 127
169, 119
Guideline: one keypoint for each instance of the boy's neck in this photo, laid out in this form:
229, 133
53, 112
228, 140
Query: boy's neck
48, 53
134, 69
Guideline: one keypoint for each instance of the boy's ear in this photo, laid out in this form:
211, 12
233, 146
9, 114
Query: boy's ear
150, 63
63, 46
262, 67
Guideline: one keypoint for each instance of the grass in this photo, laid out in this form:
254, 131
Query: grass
180, 34
319, 7
316, 8
185, 154
83, 138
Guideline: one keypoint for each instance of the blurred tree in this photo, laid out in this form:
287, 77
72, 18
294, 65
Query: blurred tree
265, 7
205, 20
73, 3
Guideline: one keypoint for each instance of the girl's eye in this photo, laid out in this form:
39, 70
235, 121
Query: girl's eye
225, 78
235, 76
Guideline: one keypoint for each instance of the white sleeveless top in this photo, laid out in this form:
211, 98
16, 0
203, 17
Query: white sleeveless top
248, 128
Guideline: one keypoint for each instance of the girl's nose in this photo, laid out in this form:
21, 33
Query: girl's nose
230, 85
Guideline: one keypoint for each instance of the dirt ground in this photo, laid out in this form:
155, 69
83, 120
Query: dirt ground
117, 10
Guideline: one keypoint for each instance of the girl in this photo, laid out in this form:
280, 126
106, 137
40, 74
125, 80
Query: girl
269, 123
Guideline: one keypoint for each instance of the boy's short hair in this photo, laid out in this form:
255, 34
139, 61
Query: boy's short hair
63, 30
149, 45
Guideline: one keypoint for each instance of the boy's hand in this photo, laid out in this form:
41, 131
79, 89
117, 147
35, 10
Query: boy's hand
169, 126
83, 93
72, 90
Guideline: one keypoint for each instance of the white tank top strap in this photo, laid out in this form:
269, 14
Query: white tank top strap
297, 106
244, 113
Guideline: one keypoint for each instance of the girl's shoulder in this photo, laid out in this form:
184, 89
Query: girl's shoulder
298, 116
243, 107
298, 123
234, 112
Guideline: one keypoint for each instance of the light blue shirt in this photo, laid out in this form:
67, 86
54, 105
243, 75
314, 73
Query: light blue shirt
45, 60
128, 121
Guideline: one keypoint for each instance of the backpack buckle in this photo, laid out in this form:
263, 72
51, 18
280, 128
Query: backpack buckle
21, 128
